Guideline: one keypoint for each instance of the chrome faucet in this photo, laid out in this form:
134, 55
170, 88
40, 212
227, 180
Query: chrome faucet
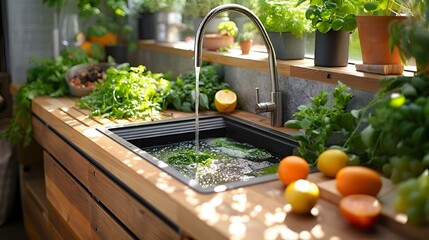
275, 106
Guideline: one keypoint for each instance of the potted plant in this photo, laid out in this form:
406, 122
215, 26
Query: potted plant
373, 21
198, 9
110, 28
411, 36
286, 26
245, 41
333, 20
223, 39
166, 21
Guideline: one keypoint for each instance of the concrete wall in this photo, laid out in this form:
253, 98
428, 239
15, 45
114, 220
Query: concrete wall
295, 91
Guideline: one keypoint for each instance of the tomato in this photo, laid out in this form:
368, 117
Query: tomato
360, 210
358, 180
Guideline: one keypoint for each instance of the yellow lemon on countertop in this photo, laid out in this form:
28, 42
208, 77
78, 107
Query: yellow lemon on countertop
225, 101
331, 161
302, 195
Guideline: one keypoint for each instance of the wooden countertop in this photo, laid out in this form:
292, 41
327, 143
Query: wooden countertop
255, 212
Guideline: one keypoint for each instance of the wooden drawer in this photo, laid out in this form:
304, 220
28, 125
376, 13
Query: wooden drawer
76, 208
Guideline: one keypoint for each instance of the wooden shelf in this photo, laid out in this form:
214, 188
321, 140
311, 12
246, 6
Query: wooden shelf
257, 61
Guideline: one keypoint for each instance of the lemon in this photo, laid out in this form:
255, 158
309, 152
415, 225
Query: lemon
331, 161
302, 195
225, 101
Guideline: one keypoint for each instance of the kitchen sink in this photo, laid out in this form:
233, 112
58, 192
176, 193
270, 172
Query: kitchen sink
142, 137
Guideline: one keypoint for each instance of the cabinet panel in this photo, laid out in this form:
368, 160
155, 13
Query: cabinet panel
139, 219
76, 208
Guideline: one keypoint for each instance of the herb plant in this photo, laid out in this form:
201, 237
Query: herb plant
329, 14
128, 92
284, 16
45, 77
320, 119
183, 89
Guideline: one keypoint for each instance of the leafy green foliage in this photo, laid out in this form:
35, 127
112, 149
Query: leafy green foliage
128, 92
397, 134
320, 119
336, 15
186, 157
284, 16
183, 89
227, 28
45, 77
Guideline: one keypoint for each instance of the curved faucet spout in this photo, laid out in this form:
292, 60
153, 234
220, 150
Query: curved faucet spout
275, 105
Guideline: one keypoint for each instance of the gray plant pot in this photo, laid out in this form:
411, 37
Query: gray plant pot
287, 46
332, 49
168, 26
212, 25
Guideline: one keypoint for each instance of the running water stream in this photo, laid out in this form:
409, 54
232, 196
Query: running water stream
197, 104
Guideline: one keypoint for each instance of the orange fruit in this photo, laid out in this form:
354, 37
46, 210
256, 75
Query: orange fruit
331, 161
292, 168
302, 195
106, 39
360, 210
87, 47
358, 180
225, 101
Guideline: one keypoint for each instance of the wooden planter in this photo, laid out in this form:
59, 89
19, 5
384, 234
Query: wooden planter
214, 42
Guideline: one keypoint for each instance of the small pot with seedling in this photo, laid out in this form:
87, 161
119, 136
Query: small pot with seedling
223, 39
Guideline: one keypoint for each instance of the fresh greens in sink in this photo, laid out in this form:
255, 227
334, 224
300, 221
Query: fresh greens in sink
220, 160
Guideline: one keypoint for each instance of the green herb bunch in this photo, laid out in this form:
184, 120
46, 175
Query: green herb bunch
45, 77
183, 89
320, 119
129, 92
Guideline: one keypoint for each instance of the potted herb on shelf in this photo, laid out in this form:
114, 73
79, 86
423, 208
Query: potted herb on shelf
372, 22
245, 41
198, 9
166, 22
411, 36
334, 21
110, 28
286, 25
223, 39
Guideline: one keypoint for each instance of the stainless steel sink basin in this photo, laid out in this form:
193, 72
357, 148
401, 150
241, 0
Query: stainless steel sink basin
140, 137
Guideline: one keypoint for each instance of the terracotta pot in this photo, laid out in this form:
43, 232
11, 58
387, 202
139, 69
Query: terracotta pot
374, 40
215, 42
246, 46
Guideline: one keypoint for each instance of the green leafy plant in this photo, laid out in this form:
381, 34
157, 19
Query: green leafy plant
128, 92
412, 36
330, 14
227, 28
45, 77
199, 8
248, 32
318, 121
151, 6
183, 89
284, 16
383, 7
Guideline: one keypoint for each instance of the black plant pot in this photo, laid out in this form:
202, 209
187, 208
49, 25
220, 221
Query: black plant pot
332, 49
146, 26
118, 52
287, 46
